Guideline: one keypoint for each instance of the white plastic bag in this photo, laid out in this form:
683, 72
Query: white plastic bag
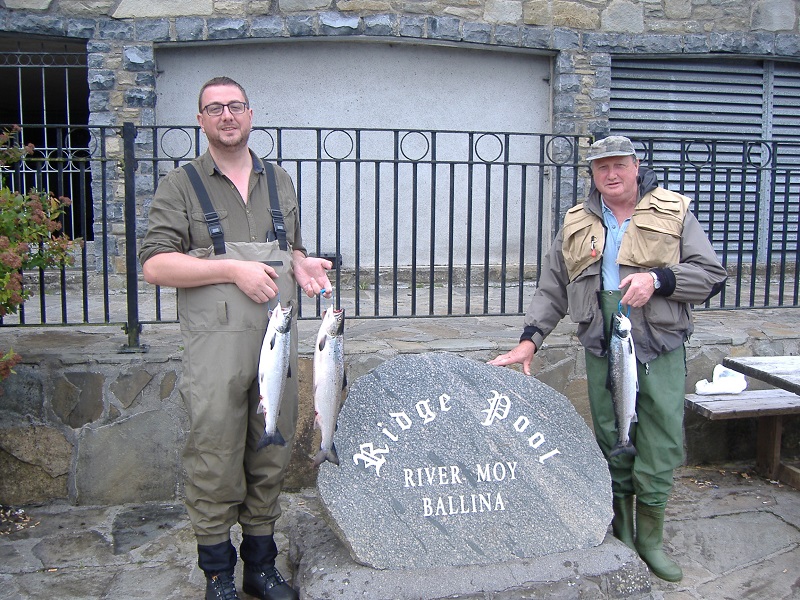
725, 381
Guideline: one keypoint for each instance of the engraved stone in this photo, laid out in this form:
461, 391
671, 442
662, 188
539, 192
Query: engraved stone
449, 461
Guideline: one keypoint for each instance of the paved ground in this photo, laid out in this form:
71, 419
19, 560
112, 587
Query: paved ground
735, 534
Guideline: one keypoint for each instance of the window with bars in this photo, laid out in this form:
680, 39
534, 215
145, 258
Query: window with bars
46, 92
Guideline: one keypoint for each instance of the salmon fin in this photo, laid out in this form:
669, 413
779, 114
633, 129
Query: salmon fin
329, 455
272, 341
322, 343
619, 448
269, 440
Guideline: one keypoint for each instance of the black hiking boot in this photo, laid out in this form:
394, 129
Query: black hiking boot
267, 584
221, 586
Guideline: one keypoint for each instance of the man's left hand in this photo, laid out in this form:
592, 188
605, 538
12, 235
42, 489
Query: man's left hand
640, 289
311, 274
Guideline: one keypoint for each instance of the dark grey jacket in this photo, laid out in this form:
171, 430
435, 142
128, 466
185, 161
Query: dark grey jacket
691, 276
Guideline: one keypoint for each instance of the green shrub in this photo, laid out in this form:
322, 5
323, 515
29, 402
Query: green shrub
30, 237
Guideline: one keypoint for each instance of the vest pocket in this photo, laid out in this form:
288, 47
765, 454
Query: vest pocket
582, 245
652, 241
222, 312
582, 295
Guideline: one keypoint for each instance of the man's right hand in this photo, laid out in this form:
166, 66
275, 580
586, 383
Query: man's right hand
255, 279
522, 354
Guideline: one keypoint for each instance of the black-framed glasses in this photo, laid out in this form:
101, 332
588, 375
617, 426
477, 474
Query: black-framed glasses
215, 108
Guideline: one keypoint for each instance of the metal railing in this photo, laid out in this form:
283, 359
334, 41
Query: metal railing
418, 223
747, 195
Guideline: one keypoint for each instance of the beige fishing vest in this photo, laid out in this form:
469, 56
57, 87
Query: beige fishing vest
652, 239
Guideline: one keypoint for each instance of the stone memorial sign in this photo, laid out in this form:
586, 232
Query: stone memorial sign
447, 461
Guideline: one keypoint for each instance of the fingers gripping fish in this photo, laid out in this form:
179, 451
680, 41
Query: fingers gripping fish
329, 381
273, 370
623, 381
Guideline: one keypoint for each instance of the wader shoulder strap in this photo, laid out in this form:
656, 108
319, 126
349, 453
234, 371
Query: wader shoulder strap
275, 206
211, 216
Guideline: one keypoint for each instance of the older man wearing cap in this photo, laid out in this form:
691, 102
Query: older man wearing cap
635, 245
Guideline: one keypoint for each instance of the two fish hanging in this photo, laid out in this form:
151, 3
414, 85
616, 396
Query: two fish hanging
329, 377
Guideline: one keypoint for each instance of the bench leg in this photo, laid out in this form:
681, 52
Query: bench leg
789, 475
768, 451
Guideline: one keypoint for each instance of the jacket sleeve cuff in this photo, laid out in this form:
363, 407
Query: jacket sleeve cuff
667, 279
532, 334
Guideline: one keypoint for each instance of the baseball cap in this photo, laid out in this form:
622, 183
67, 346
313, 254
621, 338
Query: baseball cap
613, 145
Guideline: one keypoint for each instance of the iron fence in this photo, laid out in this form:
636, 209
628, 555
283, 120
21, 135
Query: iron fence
418, 223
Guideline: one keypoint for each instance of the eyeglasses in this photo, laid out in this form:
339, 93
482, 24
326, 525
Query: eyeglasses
215, 109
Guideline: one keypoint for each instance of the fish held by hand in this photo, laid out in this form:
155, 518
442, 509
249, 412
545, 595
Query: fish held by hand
623, 382
329, 381
273, 370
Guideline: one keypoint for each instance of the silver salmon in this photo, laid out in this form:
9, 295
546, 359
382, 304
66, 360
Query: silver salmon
273, 369
329, 381
623, 381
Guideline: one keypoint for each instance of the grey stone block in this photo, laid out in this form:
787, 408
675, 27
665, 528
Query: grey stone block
462, 463
132, 460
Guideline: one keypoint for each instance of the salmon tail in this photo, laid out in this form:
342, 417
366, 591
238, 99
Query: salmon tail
329, 455
620, 448
271, 439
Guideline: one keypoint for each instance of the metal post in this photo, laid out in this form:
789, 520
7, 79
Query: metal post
133, 327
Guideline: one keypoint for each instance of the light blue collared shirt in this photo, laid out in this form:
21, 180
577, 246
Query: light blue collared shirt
614, 233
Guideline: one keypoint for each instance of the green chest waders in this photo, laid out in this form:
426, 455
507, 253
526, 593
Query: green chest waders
658, 434
227, 480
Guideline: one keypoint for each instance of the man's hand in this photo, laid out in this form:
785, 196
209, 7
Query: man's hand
640, 289
311, 274
522, 354
255, 279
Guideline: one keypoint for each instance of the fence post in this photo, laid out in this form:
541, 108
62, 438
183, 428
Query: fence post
132, 327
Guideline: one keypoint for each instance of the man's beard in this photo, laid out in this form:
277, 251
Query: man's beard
235, 143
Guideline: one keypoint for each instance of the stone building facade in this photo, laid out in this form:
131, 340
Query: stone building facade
581, 35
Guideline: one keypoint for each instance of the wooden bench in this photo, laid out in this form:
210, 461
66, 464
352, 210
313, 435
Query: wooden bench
769, 407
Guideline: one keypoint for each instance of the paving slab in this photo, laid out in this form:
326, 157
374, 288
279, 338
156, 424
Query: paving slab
735, 534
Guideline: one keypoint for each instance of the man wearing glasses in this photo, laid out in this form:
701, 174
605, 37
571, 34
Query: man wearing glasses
231, 256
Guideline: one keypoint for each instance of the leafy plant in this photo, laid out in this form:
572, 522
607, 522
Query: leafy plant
30, 237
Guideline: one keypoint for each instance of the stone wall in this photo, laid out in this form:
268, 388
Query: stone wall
84, 421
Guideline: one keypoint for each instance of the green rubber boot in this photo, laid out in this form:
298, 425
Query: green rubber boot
650, 541
622, 523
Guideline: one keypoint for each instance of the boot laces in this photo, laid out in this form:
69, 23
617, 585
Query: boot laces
223, 587
272, 577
